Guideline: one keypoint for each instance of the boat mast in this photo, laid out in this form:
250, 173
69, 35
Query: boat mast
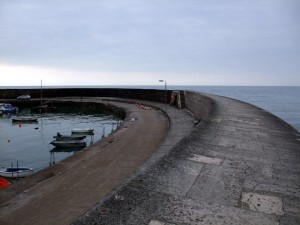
41, 92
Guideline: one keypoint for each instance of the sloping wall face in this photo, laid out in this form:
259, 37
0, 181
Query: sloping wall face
199, 105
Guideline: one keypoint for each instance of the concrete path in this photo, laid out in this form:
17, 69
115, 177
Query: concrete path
241, 166
61, 193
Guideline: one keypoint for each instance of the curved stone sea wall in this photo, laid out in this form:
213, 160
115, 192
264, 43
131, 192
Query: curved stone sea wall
199, 105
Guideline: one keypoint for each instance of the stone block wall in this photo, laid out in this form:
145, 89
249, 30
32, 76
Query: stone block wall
199, 105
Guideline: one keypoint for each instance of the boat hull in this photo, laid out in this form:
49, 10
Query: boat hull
83, 130
65, 149
15, 172
60, 137
68, 143
7, 108
24, 120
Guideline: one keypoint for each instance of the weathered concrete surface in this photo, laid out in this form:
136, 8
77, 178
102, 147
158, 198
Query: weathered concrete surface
63, 192
238, 166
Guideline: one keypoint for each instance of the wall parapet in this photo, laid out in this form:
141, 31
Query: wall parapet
198, 104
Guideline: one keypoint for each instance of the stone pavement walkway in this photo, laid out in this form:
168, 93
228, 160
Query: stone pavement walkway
240, 166
61, 193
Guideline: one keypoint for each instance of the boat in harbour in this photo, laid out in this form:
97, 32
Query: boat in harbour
68, 143
83, 130
24, 97
69, 149
25, 119
60, 137
15, 172
7, 108
44, 108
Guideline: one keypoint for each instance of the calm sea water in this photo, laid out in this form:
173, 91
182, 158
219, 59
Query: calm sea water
28, 144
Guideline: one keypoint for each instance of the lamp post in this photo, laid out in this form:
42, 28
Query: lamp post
165, 92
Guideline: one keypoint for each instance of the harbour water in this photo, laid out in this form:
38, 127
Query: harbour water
28, 143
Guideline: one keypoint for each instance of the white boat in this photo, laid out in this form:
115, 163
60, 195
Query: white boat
7, 108
15, 172
83, 130
68, 143
25, 119
60, 137
23, 97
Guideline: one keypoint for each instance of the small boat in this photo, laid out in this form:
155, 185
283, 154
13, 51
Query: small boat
25, 119
68, 143
69, 149
60, 137
3, 182
24, 97
7, 108
83, 130
15, 172
44, 108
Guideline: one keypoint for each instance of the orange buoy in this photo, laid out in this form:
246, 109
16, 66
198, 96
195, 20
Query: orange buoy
3, 182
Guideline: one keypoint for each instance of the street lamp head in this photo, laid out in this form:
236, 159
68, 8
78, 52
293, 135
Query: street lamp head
161, 80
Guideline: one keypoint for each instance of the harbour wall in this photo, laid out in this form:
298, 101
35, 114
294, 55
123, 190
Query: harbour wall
199, 105
142, 94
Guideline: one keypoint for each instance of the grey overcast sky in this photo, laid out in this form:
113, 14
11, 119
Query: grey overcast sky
138, 42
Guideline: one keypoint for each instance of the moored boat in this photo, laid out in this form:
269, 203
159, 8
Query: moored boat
66, 149
83, 130
60, 137
44, 108
7, 108
24, 97
15, 172
68, 143
25, 119
3, 182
